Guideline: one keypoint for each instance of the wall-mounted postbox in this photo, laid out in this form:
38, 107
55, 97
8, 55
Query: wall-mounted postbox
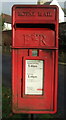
34, 58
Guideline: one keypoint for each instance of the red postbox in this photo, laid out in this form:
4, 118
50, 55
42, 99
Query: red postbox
34, 58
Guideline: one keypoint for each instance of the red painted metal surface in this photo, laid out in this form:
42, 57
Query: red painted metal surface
39, 37
34, 27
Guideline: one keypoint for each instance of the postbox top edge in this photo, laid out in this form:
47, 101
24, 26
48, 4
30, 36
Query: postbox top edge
19, 7
37, 6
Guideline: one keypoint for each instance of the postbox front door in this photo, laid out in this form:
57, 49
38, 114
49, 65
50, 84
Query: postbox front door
34, 80
34, 67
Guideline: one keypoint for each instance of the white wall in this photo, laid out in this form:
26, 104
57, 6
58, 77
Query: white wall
7, 26
64, 19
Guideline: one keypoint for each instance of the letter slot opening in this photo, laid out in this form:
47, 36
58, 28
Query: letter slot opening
25, 25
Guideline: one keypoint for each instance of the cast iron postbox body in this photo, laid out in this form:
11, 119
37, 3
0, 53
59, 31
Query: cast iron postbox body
34, 58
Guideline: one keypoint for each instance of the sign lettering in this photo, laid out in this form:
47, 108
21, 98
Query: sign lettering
26, 13
35, 37
40, 14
